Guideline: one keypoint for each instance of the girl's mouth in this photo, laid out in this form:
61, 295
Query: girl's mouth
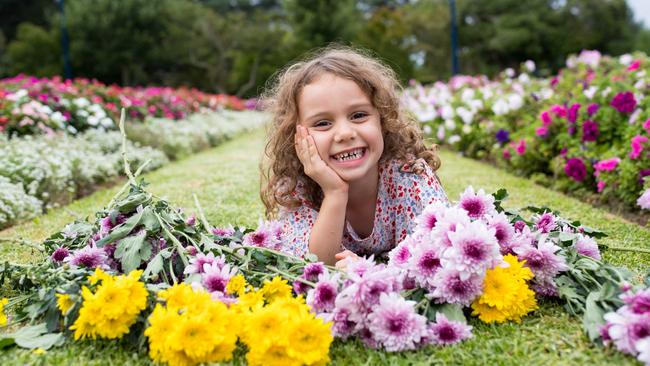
351, 157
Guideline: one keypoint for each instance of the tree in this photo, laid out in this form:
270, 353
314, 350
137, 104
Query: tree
36, 51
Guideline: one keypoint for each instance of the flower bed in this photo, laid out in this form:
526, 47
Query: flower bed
29, 105
41, 172
470, 262
585, 130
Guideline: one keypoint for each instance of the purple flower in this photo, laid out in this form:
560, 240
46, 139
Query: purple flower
587, 246
89, 256
572, 115
452, 218
624, 102
576, 169
626, 328
542, 131
545, 117
446, 332
215, 278
223, 232
519, 225
644, 200
322, 297
59, 254
197, 263
424, 264
191, 221
592, 109
503, 231
395, 324
312, 271
474, 249
637, 146
503, 136
546, 222
590, 131
542, 261
545, 288
639, 302
449, 287
476, 204
267, 235
343, 326
430, 216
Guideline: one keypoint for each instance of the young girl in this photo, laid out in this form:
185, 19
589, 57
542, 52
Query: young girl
347, 169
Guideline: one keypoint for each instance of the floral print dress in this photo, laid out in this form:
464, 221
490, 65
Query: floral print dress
402, 195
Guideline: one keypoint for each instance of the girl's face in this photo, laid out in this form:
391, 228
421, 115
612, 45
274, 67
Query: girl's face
344, 124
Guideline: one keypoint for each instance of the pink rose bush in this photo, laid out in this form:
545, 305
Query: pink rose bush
567, 130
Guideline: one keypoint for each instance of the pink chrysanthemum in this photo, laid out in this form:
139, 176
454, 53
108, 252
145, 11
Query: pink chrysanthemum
395, 324
262, 237
546, 222
474, 249
446, 332
323, 296
543, 261
639, 302
342, 325
643, 347
504, 232
196, 263
59, 254
452, 218
477, 204
89, 256
223, 231
587, 246
423, 265
644, 200
449, 287
215, 277
429, 217
626, 328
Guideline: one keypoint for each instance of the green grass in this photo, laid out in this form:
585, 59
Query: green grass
226, 180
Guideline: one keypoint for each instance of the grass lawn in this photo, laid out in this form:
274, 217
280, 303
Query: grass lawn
227, 183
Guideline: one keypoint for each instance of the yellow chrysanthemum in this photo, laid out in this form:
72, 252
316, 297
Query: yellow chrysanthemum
265, 325
110, 311
506, 294
3, 317
275, 289
274, 354
309, 339
249, 301
236, 285
98, 276
191, 330
64, 303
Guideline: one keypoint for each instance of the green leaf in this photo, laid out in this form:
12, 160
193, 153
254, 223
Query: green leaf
32, 337
155, 265
149, 220
451, 311
593, 318
132, 250
122, 230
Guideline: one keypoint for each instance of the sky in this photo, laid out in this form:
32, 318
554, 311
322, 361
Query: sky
641, 10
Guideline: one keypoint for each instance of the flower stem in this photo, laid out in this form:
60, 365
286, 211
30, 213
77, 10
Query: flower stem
23, 242
629, 249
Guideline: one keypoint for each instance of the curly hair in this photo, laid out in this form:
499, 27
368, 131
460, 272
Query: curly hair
281, 169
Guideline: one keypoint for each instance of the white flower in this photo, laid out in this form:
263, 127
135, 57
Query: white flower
447, 112
590, 92
625, 59
529, 65
510, 72
466, 129
453, 139
450, 124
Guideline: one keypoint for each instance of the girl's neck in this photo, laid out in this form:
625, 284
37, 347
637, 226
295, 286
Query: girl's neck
364, 190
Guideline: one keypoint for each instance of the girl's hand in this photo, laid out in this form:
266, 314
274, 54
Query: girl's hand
343, 258
315, 167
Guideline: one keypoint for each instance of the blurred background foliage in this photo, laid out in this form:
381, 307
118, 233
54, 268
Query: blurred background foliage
234, 46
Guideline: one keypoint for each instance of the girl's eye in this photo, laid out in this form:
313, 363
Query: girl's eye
322, 123
359, 115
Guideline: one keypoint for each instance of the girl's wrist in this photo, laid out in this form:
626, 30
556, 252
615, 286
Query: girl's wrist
341, 192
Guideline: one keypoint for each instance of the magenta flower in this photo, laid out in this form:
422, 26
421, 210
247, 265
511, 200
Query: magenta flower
267, 235
639, 302
223, 232
558, 110
427, 220
215, 277
634, 65
572, 114
646, 126
600, 185
477, 204
590, 131
59, 254
424, 264
449, 287
190, 221
312, 271
452, 218
541, 131
395, 324
323, 296
401, 254
546, 222
606, 165
587, 246
575, 169
343, 326
521, 147
626, 328
446, 332
592, 109
637, 146
196, 263
545, 117
624, 102
504, 232
89, 256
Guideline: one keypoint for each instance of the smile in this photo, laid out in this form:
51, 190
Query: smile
352, 155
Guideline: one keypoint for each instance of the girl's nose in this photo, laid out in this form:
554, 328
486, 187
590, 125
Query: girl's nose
344, 131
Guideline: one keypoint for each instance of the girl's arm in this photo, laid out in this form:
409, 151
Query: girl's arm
327, 233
